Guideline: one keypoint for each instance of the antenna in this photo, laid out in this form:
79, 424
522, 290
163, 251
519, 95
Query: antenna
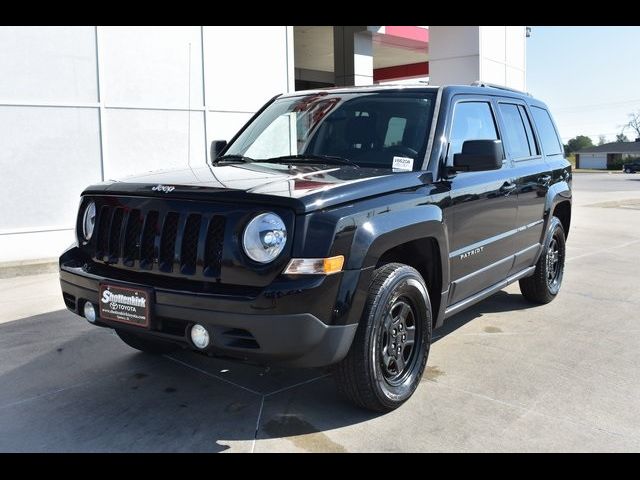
189, 111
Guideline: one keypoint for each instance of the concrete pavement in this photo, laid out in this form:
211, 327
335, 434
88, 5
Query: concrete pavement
502, 376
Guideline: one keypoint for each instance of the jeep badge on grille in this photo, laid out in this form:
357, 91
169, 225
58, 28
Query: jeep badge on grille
163, 188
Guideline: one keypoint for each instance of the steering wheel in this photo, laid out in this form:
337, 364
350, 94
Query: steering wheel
403, 150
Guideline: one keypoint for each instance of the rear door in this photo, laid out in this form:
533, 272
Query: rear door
483, 205
533, 176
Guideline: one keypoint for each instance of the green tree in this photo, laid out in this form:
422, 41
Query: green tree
602, 140
578, 143
621, 137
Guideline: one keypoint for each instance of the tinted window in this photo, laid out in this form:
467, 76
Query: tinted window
471, 121
517, 143
533, 146
548, 136
370, 129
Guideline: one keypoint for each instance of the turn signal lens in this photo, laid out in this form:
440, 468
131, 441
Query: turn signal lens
315, 266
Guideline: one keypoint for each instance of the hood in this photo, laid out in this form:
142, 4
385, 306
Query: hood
302, 187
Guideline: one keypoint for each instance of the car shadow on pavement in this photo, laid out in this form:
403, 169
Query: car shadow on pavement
70, 387
500, 302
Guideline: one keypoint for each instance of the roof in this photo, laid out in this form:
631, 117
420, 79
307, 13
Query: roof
476, 88
614, 147
363, 88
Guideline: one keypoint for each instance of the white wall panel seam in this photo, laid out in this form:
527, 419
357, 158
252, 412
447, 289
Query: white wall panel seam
101, 114
205, 99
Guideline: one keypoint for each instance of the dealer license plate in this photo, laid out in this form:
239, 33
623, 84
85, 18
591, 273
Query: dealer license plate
125, 304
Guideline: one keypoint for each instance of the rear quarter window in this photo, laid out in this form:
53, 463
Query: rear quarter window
548, 136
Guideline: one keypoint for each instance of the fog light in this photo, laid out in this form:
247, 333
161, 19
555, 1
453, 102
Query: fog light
89, 312
199, 336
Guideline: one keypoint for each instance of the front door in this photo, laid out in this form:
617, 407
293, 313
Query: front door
484, 206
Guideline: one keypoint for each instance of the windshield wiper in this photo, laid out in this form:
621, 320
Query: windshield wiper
233, 158
310, 156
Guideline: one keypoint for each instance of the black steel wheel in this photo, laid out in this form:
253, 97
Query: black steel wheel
397, 341
389, 352
544, 284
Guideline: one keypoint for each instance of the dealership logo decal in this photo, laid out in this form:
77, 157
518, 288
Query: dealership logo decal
118, 301
163, 188
470, 253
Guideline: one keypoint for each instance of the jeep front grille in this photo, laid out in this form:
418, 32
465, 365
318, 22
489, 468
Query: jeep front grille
168, 242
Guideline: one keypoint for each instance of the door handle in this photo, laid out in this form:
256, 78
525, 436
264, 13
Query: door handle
544, 180
508, 187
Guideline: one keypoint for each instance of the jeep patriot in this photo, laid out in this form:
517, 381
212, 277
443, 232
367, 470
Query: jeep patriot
338, 228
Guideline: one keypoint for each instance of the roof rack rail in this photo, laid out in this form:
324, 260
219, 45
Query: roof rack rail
478, 83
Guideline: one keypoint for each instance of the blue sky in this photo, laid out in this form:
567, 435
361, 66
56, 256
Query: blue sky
589, 77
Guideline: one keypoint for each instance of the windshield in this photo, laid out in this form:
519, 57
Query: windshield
377, 129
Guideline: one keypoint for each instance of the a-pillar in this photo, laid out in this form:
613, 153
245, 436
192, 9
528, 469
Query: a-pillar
352, 56
493, 54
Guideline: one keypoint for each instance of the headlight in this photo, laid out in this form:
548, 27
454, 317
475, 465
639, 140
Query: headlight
88, 221
264, 237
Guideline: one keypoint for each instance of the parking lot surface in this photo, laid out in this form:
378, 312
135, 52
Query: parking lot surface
502, 376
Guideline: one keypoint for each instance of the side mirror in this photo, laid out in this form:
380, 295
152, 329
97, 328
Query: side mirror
478, 156
216, 147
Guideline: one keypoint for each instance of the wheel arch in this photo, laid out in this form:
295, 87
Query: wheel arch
423, 254
558, 201
562, 210
416, 237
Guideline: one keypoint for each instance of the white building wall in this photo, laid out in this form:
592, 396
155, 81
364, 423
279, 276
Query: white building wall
464, 54
79, 104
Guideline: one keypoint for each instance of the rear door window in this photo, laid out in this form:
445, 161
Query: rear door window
515, 133
548, 135
533, 145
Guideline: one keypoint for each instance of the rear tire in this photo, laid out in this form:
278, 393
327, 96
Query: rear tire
627, 170
543, 286
390, 349
156, 347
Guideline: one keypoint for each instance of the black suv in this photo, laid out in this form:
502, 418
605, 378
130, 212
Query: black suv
631, 167
338, 227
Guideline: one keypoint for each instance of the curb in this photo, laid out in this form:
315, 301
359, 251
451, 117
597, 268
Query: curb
28, 267
610, 172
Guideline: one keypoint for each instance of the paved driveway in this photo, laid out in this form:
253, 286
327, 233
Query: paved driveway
503, 375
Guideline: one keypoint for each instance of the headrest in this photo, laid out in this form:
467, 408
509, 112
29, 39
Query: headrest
360, 130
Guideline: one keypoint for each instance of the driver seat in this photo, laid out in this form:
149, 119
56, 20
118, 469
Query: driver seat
360, 135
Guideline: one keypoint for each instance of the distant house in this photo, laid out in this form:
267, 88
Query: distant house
603, 156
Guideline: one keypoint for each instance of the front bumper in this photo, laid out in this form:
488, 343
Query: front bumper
254, 329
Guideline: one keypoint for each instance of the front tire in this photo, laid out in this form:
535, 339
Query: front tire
543, 286
627, 170
155, 347
389, 352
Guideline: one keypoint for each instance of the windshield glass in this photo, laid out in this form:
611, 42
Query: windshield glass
368, 129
